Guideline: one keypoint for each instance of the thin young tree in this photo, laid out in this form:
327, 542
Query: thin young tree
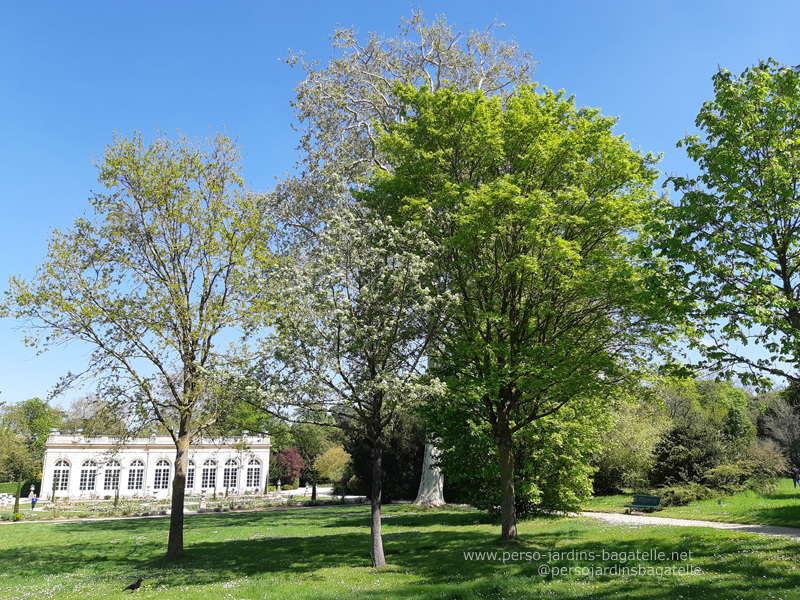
353, 332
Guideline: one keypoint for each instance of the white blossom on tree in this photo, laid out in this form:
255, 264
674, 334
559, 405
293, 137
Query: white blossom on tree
354, 329
344, 106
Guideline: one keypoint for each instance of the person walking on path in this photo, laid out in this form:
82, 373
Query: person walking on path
34, 499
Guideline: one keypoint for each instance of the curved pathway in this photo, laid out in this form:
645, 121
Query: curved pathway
790, 532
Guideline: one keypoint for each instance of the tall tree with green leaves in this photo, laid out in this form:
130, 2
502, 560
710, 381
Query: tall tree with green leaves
733, 238
30, 422
155, 281
312, 441
534, 209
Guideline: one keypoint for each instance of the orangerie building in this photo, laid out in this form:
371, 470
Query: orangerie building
78, 467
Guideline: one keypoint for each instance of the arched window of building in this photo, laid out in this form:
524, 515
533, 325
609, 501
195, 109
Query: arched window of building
136, 475
209, 479
253, 473
230, 475
162, 475
61, 476
88, 476
111, 478
190, 475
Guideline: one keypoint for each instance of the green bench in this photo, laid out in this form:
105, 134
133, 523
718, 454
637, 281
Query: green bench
644, 502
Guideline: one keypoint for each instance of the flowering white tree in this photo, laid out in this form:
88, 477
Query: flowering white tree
354, 329
343, 106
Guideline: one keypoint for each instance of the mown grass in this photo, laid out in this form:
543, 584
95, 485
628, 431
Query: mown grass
324, 553
780, 508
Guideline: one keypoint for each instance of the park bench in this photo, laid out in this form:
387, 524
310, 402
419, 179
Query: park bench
644, 502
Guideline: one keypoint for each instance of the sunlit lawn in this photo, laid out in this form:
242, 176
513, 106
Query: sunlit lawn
781, 507
324, 553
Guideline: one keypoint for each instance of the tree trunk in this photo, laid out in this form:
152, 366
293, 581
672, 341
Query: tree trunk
505, 446
431, 486
378, 559
175, 543
313, 485
16, 499
508, 511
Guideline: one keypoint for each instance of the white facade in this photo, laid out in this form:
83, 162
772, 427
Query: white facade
78, 467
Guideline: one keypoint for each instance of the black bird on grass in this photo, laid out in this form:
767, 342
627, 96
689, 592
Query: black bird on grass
134, 586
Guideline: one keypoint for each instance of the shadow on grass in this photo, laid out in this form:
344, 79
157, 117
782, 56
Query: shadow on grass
780, 516
405, 516
445, 563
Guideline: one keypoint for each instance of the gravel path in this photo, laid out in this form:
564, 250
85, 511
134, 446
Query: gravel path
790, 532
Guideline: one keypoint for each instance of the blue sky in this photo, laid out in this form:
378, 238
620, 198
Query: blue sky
73, 72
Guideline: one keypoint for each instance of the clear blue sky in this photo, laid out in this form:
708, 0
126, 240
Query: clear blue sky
73, 72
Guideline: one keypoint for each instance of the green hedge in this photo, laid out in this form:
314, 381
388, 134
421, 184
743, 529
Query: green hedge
11, 488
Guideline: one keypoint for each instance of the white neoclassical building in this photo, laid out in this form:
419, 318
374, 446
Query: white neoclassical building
78, 467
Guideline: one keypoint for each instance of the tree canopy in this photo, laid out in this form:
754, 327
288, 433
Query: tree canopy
733, 238
344, 105
534, 209
29, 422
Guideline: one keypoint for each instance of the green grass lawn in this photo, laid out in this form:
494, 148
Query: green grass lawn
324, 553
782, 507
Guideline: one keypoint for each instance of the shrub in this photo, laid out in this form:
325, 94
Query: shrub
681, 495
685, 454
728, 478
759, 469
766, 464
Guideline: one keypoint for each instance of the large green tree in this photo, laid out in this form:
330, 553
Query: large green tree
534, 208
733, 237
18, 463
154, 280
30, 422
